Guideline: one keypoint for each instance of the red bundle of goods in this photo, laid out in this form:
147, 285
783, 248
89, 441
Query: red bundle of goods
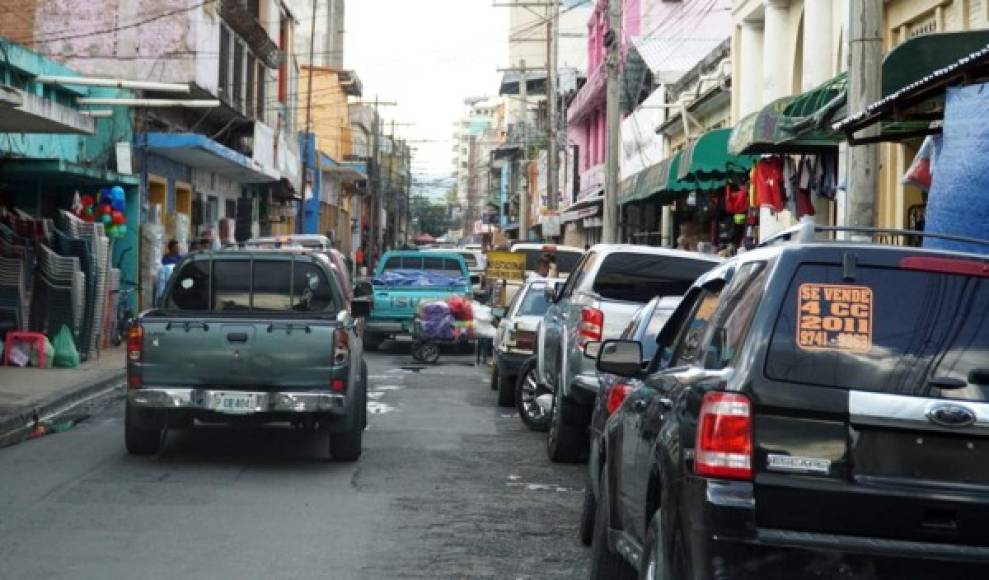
461, 309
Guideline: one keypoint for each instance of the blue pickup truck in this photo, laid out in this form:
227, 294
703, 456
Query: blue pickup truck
402, 280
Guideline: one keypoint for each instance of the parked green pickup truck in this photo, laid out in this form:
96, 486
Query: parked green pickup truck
402, 280
249, 338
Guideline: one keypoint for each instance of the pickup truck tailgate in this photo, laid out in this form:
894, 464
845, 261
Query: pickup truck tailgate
233, 353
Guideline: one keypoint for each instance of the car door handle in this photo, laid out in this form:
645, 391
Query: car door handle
665, 403
237, 337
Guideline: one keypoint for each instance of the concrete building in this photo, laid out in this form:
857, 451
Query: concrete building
482, 129
328, 209
225, 173
527, 34
328, 40
786, 47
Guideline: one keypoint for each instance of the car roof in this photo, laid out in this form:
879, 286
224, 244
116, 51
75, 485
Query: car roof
546, 247
655, 251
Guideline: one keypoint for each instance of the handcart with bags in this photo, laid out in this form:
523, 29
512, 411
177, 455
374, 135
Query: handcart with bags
449, 322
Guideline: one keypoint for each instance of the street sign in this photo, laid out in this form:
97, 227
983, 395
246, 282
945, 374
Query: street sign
505, 266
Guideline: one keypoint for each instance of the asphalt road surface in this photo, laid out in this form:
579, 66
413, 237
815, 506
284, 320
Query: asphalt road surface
449, 486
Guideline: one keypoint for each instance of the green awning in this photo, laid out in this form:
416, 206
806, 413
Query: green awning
661, 179
707, 158
915, 77
795, 124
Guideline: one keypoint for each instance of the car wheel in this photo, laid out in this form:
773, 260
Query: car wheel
139, 439
587, 516
565, 443
506, 391
527, 391
664, 559
372, 342
605, 564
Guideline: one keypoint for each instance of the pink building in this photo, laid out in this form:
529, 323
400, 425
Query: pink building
586, 117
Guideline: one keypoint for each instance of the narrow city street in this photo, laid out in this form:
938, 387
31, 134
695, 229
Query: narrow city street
449, 486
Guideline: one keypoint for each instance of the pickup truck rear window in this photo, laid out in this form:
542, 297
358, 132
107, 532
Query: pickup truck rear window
914, 327
438, 265
565, 261
641, 277
237, 286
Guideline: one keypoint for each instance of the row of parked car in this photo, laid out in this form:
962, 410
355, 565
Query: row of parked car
808, 409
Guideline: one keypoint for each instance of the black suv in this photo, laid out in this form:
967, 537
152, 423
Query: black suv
824, 414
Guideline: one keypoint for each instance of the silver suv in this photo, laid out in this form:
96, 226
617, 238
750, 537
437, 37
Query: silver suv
609, 284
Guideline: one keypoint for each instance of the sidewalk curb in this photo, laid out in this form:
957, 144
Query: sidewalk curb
15, 426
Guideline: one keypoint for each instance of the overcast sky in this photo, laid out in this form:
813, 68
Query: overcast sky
428, 55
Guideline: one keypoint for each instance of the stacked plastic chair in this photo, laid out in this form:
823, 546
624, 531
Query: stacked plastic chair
98, 278
14, 303
59, 294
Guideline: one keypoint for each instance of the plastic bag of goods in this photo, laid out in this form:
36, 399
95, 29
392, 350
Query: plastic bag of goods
441, 328
482, 313
49, 355
921, 171
433, 311
460, 308
20, 353
66, 355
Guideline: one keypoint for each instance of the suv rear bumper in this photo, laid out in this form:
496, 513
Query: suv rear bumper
723, 535
264, 402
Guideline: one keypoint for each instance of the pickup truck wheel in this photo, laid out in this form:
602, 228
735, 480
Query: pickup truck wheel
138, 439
664, 558
347, 446
527, 393
605, 564
565, 443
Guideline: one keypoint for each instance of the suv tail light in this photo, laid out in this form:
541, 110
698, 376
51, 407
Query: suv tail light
591, 326
135, 343
525, 340
724, 437
341, 347
617, 395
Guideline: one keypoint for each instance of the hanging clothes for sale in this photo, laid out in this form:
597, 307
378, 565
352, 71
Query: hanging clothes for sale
768, 181
829, 175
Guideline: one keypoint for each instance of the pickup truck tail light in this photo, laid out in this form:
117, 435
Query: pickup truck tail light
617, 395
591, 326
341, 347
135, 343
724, 437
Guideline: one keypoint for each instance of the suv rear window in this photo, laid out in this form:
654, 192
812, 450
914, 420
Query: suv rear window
641, 277
440, 265
889, 330
565, 261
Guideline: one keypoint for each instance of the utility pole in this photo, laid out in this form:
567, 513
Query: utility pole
613, 39
552, 162
864, 73
300, 221
524, 193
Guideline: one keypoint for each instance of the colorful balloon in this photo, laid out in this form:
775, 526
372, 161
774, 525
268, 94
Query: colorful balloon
121, 230
117, 217
117, 192
106, 219
87, 201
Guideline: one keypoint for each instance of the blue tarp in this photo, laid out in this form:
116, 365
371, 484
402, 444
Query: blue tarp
418, 279
959, 198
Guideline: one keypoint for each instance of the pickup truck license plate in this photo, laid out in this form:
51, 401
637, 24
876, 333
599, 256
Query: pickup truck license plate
234, 403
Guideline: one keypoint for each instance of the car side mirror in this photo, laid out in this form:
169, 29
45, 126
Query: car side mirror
620, 357
498, 313
592, 350
360, 308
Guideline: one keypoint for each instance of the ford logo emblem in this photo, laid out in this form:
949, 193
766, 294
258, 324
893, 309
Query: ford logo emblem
951, 415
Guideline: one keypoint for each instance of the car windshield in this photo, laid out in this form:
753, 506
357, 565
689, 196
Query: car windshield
889, 330
637, 277
534, 303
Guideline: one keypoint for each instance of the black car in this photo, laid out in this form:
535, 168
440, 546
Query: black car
643, 328
824, 414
